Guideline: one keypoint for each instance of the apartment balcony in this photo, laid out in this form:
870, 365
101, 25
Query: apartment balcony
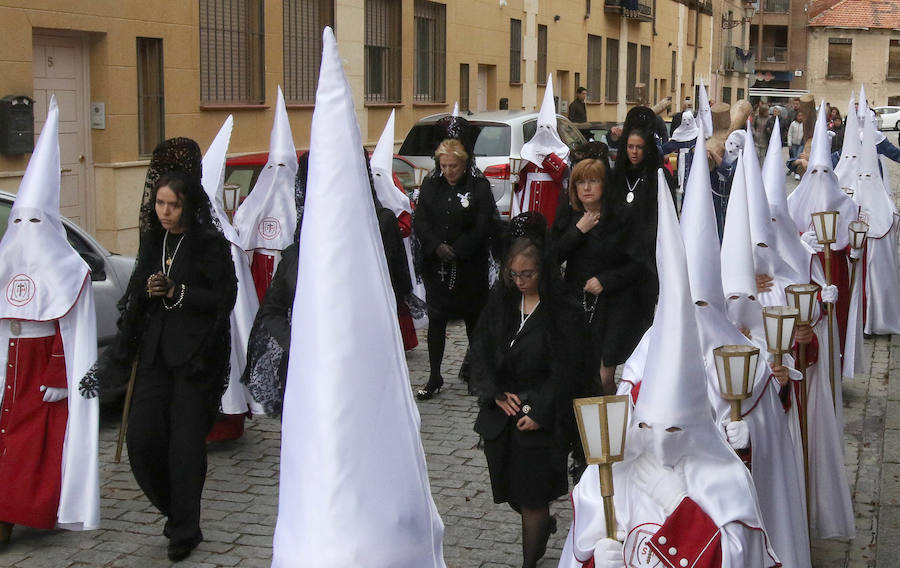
736, 60
633, 9
771, 54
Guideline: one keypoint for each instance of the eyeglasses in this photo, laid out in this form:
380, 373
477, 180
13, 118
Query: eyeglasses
525, 275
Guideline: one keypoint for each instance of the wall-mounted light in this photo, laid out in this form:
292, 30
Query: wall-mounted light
749, 10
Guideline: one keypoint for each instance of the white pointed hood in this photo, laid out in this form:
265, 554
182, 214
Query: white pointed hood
354, 484
455, 109
213, 180
761, 230
41, 276
701, 238
847, 167
789, 246
704, 114
863, 109
820, 190
267, 218
673, 390
382, 162
688, 129
876, 207
546, 139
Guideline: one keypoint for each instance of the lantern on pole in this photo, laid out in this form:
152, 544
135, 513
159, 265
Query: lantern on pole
858, 232
602, 421
779, 323
736, 369
803, 297
825, 225
230, 194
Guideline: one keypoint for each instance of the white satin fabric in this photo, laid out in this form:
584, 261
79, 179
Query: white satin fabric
354, 487
79, 501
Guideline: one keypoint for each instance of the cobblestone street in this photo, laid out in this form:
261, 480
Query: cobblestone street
241, 495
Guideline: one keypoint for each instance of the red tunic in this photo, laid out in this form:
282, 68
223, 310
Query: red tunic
262, 268
541, 192
32, 432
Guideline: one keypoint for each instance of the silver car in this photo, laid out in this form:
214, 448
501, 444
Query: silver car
109, 272
499, 136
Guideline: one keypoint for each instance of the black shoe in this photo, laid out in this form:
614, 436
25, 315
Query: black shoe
5, 533
167, 530
431, 388
180, 551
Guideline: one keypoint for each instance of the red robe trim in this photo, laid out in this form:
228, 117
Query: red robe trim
32, 432
262, 269
544, 195
689, 537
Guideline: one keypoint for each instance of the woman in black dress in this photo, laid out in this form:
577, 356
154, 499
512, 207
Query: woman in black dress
526, 355
603, 271
452, 222
175, 322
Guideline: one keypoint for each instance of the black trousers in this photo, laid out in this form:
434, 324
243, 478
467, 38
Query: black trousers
167, 426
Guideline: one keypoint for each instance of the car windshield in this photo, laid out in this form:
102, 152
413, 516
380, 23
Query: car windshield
5, 208
491, 139
570, 135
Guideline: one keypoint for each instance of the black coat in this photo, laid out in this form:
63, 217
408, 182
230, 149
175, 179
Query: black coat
620, 315
442, 216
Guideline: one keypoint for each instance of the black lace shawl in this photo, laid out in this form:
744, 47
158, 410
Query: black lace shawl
210, 253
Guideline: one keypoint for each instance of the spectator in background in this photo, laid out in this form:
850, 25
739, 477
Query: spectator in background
837, 126
577, 111
762, 129
795, 138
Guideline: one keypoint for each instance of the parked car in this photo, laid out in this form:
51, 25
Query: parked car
887, 117
109, 272
242, 172
499, 136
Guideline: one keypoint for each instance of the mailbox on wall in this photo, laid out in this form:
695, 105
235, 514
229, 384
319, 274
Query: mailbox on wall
16, 125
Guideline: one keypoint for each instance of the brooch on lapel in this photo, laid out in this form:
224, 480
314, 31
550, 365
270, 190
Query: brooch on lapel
463, 199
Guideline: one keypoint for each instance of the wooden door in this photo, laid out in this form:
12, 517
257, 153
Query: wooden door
60, 69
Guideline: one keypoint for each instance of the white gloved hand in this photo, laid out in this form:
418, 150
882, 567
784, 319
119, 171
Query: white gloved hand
608, 553
855, 254
53, 394
738, 434
830, 294
811, 242
665, 486
794, 374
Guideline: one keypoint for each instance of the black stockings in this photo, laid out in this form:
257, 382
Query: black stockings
437, 340
536, 527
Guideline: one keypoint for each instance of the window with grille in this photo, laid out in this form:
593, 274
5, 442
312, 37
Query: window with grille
303, 21
463, 87
383, 66
645, 71
692, 27
151, 102
740, 93
673, 78
430, 22
894, 59
595, 59
515, 51
612, 70
631, 73
839, 51
232, 52
541, 55
726, 95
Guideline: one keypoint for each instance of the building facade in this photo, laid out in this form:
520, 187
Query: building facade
778, 38
859, 43
130, 74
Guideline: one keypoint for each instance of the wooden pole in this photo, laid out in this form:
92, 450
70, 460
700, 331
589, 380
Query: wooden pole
606, 490
129, 393
735, 411
830, 324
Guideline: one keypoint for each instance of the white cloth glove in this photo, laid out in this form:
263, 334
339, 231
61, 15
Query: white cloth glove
830, 294
53, 394
855, 254
811, 242
665, 486
738, 434
794, 374
609, 553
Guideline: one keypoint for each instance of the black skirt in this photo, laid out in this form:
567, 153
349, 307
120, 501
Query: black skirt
526, 468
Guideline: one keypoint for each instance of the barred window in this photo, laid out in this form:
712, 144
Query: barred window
430, 75
463, 87
595, 59
645, 72
515, 51
894, 59
383, 52
612, 70
232, 52
151, 100
631, 73
839, 52
303, 21
542, 54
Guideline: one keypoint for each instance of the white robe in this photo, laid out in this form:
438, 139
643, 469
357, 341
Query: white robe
882, 284
79, 500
